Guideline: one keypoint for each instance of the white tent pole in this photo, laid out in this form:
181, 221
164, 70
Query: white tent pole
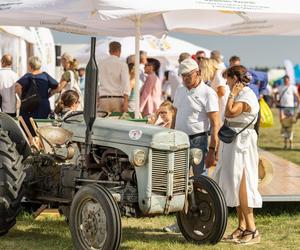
137, 66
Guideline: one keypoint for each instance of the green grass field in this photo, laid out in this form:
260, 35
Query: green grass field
279, 224
271, 140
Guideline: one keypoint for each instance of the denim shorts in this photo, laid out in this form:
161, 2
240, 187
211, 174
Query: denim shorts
200, 142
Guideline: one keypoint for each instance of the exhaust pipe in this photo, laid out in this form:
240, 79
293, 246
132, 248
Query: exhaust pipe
90, 95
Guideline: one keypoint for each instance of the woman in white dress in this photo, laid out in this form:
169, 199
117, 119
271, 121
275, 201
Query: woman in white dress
237, 169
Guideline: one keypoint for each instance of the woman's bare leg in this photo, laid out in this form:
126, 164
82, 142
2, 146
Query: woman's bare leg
246, 211
241, 218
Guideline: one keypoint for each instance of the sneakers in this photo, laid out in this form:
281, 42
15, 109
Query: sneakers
172, 228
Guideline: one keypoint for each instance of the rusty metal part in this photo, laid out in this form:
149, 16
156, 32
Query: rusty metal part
55, 135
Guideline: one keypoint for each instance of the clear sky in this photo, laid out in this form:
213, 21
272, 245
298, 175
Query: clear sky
262, 51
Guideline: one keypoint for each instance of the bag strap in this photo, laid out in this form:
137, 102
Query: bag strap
283, 94
33, 80
247, 125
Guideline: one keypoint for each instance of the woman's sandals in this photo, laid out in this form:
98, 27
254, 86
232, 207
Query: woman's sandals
235, 236
249, 237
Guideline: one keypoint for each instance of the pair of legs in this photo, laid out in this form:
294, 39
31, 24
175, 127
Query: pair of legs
246, 229
288, 143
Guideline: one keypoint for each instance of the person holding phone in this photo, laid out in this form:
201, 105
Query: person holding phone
237, 168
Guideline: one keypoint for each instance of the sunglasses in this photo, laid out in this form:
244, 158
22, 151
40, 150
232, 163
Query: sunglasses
189, 75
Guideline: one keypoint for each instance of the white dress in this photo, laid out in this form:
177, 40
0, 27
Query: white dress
240, 155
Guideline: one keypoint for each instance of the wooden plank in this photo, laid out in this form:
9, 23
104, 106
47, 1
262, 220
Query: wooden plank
285, 181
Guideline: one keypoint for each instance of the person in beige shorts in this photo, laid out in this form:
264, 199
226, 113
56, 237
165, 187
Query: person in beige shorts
114, 82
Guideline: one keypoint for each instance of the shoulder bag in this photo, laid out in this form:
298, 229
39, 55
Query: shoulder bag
228, 135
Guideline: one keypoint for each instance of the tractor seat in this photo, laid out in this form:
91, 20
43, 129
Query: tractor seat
54, 135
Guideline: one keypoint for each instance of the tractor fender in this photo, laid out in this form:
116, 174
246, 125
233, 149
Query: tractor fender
16, 134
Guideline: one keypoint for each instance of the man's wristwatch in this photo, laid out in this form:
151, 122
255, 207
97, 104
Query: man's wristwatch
212, 148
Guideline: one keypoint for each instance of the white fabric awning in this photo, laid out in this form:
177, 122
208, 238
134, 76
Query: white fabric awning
117, 17
167, 47
21, 32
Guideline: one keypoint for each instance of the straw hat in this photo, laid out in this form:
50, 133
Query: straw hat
265, 171
67, 57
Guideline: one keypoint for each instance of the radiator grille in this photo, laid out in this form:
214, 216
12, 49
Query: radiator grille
159, 171
160, 162
180, 169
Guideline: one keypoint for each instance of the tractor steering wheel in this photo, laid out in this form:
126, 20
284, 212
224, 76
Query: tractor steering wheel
77, 113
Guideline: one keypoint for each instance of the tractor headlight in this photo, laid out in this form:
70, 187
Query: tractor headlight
195, 156
139, 158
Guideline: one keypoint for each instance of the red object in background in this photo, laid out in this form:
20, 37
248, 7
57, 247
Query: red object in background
194, 57
299, 89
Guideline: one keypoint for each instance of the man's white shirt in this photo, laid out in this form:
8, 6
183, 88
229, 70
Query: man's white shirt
8, 79
113, 77
286, 94
192, 108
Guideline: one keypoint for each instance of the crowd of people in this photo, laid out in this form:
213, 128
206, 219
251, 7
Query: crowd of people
202, 98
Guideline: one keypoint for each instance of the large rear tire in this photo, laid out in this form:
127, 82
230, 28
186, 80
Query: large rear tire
206, 221
95, 220
12, 176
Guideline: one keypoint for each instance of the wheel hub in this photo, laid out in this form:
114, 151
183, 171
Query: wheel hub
204, 211
93, 225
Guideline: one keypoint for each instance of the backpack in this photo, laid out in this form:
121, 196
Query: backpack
30, 100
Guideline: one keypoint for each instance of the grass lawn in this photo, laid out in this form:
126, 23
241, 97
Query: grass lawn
279, 224
271, 140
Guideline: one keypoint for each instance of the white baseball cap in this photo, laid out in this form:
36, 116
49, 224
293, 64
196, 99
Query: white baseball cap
187, 66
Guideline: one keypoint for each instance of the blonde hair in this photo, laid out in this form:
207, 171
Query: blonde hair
34, 62
170, 107
208, 68
74, 64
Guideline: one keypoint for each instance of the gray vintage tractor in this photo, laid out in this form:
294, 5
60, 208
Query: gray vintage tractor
97, 169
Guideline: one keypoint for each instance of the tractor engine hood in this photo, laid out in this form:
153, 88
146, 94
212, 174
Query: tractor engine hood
130, 133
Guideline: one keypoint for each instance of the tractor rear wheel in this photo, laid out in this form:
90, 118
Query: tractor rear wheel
12, 176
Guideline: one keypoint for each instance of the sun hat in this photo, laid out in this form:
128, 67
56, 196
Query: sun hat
265, 171
187, 66
67, 57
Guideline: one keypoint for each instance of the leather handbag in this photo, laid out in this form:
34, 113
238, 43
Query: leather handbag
228, 135
30, 99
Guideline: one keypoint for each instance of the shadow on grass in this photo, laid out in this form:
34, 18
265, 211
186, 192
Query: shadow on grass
268, 148
148, 235
32, 233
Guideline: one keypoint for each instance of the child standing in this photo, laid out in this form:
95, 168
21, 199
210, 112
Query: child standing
287, 123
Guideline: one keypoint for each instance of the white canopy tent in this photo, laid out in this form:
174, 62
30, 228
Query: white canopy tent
116, 17
128, 17
166, 48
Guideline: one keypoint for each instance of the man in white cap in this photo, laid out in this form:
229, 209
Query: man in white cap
197, 113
